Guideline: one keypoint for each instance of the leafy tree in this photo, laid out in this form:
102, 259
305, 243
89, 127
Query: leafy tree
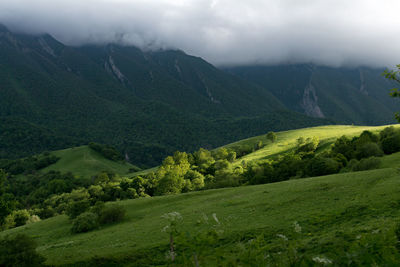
6, 200
107, 151
196, 179
77, 207
394, 75
391, 144
271, 136
322, 166
19, 250
18, 218
310, 145
364, 164
221, 153
203, 160
258, 145
170, 183
368, 150
344, 146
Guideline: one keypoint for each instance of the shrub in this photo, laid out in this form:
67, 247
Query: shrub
85, 222
112, 214
77, 207
391, 144
344, 146
322, 166
107, 151
365, 164
369, 150
19, 250
243, 150
17, 218
310, 145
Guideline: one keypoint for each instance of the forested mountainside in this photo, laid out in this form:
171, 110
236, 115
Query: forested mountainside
147, 104
346, 95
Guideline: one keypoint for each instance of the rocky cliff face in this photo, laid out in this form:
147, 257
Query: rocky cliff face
310, 102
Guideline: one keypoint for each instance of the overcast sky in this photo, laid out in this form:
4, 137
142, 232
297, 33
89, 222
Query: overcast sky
330, 32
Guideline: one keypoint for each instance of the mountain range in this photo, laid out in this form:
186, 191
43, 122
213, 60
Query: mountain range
151, 103
356, 95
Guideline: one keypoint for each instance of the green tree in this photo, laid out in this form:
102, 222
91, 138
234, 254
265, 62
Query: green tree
19, 250
7, 204
271, 136
394, 75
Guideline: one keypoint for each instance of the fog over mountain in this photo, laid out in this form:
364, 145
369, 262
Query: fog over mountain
224, 32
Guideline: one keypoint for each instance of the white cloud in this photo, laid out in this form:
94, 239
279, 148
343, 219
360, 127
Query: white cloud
331, 32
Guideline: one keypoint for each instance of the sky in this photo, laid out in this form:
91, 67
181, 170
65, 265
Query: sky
225, 32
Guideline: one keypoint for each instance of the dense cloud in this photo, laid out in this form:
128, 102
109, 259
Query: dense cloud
331, 32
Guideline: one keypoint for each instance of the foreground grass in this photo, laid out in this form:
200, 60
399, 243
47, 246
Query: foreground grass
333, 212
85, 162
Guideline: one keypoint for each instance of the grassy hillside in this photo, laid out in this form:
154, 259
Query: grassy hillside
85, 162
287, 140
335, 212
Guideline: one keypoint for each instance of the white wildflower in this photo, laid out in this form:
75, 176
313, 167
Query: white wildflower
297, 227
169, 255
165, 228
282, 236
172, 216
215, 217
205, 218
322, 259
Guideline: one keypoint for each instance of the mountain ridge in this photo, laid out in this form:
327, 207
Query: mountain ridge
357, 95
147, 104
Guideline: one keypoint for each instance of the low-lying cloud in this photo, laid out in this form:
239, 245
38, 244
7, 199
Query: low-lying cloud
224, 32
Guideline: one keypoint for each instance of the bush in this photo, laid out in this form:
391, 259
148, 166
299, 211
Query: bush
19, 250
85, 222
369, 150
107, 151
323, 166
77, 207
112, 214
17, 218
365, 164
391, 144
310, 145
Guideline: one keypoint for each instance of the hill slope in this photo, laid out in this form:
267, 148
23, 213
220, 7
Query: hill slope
287, 140
347, 95
85, 162
147, 104
334, 213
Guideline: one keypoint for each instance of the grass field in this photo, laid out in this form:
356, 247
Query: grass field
85, 162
